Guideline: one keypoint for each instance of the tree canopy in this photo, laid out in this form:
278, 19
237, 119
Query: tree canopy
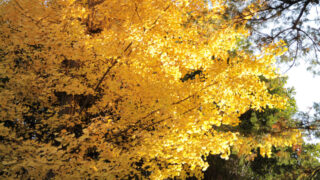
132, 89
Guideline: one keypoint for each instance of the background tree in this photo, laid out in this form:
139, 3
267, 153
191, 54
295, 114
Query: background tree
286, 163
294, 21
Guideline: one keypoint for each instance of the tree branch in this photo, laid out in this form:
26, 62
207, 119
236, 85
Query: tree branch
97, 86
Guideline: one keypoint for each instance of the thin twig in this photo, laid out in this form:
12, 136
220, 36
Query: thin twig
97, 86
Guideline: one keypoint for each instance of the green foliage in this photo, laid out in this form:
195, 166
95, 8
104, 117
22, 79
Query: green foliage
309, 121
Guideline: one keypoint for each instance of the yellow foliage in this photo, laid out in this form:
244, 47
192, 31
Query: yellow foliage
102, 81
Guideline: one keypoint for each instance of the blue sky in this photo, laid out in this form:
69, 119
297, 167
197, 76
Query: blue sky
307, 86
307, 89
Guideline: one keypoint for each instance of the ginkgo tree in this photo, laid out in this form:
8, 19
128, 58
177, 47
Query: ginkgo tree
100, 89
